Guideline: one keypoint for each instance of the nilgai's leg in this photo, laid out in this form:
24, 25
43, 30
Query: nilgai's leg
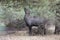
56, 30
30, 30
44, 31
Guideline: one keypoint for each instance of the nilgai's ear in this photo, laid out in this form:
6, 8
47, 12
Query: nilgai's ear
26, 11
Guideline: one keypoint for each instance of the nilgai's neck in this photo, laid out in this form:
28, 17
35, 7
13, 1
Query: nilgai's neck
27, 15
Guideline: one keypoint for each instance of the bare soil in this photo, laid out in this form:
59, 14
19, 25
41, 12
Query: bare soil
47, 37
21, 35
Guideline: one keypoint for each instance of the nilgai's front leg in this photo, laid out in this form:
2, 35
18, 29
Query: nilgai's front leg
44, 31
30, 30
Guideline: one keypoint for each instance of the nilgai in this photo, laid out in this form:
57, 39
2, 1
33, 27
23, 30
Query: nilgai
34, 21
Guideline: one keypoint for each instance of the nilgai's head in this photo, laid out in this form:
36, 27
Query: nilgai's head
27, 11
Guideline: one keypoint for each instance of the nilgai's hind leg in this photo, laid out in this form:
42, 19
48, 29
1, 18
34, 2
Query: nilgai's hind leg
30, 30
56, 30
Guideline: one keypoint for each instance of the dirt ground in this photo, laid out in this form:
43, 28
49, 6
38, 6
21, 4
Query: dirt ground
47, 37
21, 35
